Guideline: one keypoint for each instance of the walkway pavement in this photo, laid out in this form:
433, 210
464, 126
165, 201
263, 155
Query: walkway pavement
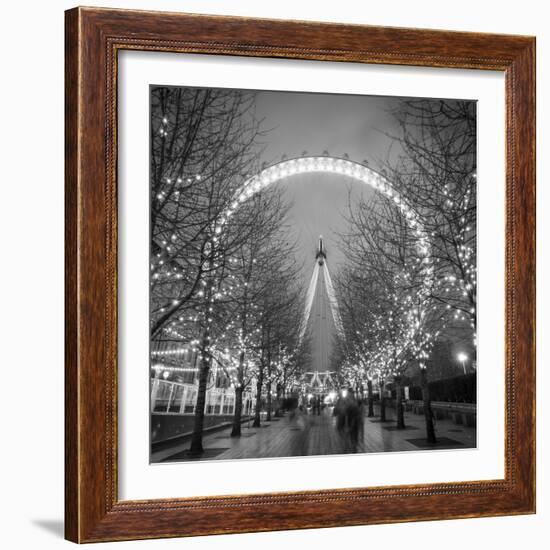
307, 435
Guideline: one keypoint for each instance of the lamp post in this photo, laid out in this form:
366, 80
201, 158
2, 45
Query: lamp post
462, 357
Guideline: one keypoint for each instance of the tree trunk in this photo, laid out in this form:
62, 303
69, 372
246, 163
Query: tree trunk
268, 385
370, 398
399, 404
237, 418
427, 406
268, 404
198, 425
382, 404
259, 384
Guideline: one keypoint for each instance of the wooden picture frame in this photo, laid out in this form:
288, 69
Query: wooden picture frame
93, 511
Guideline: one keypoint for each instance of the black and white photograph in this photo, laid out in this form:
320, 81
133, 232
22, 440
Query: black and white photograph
312, 274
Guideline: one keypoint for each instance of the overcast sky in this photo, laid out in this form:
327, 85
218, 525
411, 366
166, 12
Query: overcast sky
315, 123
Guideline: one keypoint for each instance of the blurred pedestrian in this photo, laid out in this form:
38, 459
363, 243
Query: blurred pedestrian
353, 419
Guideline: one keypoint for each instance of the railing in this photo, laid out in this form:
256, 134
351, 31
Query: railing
460, 413
176, 398
448, 406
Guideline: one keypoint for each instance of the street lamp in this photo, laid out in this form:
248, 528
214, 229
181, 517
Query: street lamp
462, 357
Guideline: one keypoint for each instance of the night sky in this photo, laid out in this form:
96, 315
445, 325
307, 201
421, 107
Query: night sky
340, 124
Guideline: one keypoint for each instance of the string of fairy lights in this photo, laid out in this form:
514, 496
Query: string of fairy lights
383, 356
394, 337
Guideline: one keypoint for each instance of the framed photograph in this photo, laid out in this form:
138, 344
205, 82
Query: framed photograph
300, 275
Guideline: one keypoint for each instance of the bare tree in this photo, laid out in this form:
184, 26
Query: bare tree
261, 271
436, 171
281, 311
392, 317
204, 144
383, 293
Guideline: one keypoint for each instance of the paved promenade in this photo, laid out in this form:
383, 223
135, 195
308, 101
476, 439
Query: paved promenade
307, 435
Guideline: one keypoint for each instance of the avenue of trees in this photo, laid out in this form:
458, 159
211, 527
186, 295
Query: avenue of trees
222, 274
395, 303
224, 279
